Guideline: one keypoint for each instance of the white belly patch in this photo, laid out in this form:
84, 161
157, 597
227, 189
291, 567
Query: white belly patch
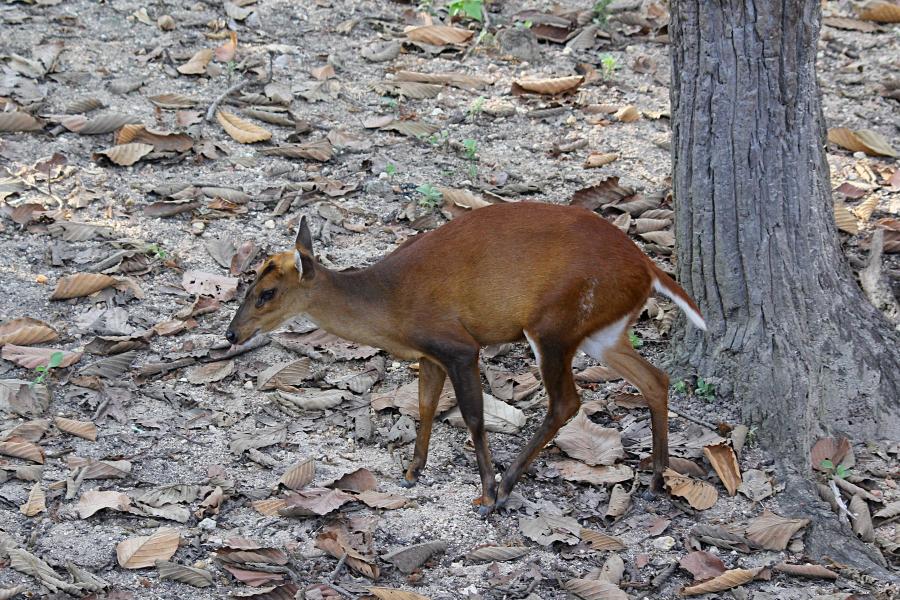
604, 338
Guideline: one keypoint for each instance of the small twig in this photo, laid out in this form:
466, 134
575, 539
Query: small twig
337, 569
700, 422
838, 500
211, 111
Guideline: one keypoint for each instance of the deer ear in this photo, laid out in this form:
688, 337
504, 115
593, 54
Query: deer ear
304, 264
304, 237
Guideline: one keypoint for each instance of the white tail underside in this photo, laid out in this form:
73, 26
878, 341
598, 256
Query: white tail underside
692, 314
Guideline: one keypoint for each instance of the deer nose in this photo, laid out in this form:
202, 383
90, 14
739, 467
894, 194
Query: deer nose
231, 336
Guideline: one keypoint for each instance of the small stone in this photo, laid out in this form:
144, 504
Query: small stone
41, 279
248, 385
858, 155
166, 22
207, 524
198, 227
270, 224
664, 543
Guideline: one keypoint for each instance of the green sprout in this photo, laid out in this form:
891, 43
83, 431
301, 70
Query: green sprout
681, 386
42, 371
473, 9
601, 11
705, 389
471, 148
390, 169
635, 339
476, 107
832, 471
436, 139
609, 65
431, 196
156, 251
526, 24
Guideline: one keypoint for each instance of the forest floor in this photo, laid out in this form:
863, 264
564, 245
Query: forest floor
112, 167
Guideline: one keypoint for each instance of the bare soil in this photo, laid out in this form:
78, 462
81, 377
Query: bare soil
175, 432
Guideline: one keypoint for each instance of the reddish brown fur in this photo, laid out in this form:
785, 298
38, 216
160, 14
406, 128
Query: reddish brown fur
558, 273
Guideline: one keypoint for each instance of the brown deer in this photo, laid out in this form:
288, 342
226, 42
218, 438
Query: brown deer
561, 277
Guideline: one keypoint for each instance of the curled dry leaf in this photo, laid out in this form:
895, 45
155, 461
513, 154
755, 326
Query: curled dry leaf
359, 480
702, 565
806, 570
184, 574
92, 501
240, 130
460, 80
26, 331
497, 553
586, 441
756, 485
210, 372
16, 121
862, 521
627, 114
163, 141
172, 100
406, 399
144, 551
412, 557
31, 357
314, 501
595, 589
773, 532
83, 429
81, 284
598, 159
601, 541
699, 494
126, 155
863, 140
299, 475
36, 502
727, 580
226, 51
320, 150
829, 448
546, 529
29, 564
197, 64
18, 448
619, 502
310, 399
462, 198
724, 462
290, 373
547, 87
880, 11
439, 35
383, 593
888, 512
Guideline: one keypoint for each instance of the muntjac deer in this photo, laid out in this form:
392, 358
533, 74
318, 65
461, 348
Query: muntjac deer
561, 277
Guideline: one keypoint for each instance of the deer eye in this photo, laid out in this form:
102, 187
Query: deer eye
265, 296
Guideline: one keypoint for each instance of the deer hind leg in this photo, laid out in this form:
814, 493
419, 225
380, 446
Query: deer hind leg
654, 386
555, 362
431, 384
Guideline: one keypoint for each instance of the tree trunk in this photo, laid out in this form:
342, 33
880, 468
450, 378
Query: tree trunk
790, 332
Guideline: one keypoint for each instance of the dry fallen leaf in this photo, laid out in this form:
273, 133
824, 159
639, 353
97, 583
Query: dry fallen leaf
358, 480
546, 529
299, 475
92, 501
627, 114
548, 87
383, 593
806, 570
601, 541
26, 331
225, 53
126, 155
319, 150
36, 503
219, 287
184, 574
144, 551
699, 494
862, 140
439, 35
16, 121
314, 501
410, 558
829, 448
497, 553
31, 357
598, 159
723, 460
18, 448
595, 589
619, 502
81, 284
164, 141
880, 11
573, 470
727, 580
773, 532
586, 441
240, 130
702, 565
383, 500
197, 64
83, 429
862, 521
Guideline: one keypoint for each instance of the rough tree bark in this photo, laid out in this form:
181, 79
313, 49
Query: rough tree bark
803, 350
